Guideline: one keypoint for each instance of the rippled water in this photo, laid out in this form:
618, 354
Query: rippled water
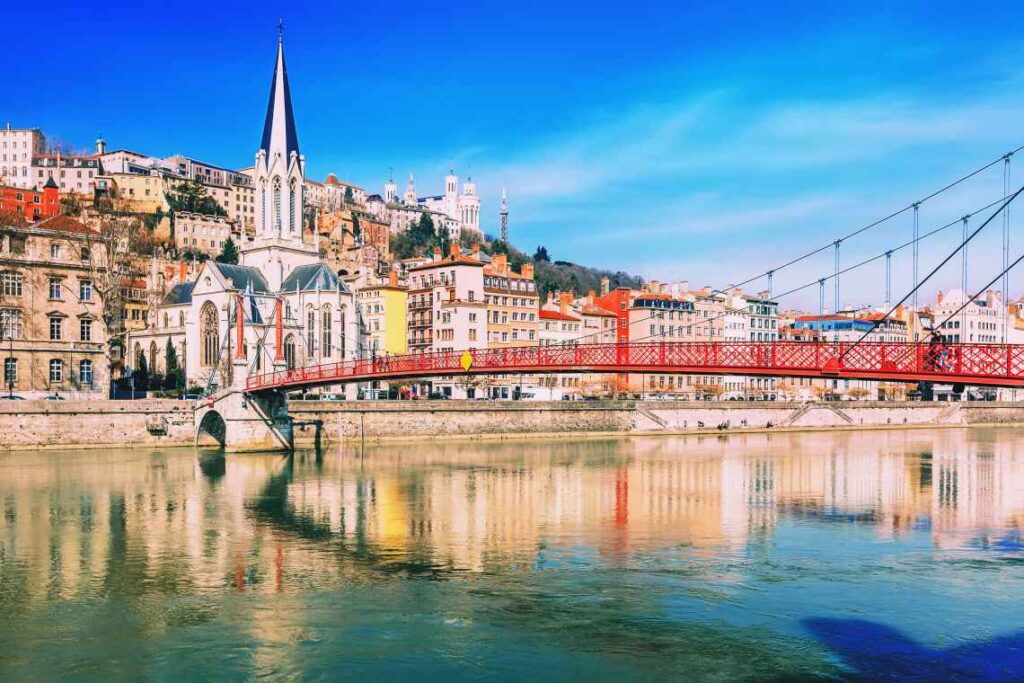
781, 557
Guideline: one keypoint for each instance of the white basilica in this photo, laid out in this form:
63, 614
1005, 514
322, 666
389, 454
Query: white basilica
279, 275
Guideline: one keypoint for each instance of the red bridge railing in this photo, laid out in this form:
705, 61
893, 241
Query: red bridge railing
980, 364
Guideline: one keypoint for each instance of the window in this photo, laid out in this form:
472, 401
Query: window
56, 370
326, 343
85, 254
10, 323
10, 372
208, 334
54, 287
85, 290
56, 329
11, 283
85, 330
54, 250
310, 329
85, 372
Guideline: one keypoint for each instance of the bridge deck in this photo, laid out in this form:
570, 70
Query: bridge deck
977, 364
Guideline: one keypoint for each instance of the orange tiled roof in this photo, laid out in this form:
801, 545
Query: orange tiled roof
546, 314
63, 223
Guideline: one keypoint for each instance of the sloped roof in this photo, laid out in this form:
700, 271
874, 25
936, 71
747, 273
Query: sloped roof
546, 314
314, 277
62, 223
242, 277
180, 294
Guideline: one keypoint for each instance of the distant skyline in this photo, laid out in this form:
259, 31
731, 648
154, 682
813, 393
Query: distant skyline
695, 142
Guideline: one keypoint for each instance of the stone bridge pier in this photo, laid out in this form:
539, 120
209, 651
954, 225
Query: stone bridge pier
240, 422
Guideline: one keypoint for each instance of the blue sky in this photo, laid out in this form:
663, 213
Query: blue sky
686, 141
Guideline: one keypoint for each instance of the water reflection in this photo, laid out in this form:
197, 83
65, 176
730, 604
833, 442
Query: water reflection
712, 535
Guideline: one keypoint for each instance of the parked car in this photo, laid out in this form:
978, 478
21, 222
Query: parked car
191, 397
12, 397
54, 397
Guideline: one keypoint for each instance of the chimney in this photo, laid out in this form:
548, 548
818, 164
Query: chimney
551, 297
655, 287
453, 249
605, 285
564, 301
500, 263
938, 297
393, 278
183, 271
101, 145
527, 270
899, 312
590, 296
437, 253
476, 251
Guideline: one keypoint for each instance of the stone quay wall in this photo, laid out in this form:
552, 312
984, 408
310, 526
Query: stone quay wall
38, 424
96, 424
327, 422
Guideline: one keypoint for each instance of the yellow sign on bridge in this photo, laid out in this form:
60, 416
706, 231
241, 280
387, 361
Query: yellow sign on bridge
466, 361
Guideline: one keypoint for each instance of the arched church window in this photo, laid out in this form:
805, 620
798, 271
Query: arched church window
310, 330
277, 206
208, 334
326, 343
181, 319
289, 352
152, 356
291, 208
342, 336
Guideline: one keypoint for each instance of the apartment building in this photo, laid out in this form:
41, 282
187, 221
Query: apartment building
51, 313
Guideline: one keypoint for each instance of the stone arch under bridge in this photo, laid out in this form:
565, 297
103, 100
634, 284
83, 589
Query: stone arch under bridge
239, 422
211, 429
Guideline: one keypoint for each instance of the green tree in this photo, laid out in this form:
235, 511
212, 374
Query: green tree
175, 378
357, 230
70, 206
229, 253
541, 254
141, 373
348, 195
191, 196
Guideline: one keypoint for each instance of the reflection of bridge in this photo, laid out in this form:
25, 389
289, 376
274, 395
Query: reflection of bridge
977, 364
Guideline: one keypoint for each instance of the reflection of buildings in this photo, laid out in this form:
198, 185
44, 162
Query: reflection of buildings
82, 524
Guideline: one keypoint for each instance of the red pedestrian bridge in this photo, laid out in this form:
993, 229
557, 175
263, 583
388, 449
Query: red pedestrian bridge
999, 365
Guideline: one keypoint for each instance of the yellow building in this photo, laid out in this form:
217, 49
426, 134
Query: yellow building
383, 309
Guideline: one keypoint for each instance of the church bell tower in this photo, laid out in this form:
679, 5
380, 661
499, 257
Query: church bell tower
278, 176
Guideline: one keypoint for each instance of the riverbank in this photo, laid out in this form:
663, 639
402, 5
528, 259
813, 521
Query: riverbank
100, 424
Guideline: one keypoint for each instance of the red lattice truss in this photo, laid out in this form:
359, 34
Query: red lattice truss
978, 364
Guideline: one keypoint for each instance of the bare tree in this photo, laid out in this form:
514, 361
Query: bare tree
115, 250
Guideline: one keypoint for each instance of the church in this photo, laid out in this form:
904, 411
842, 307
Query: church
279, 277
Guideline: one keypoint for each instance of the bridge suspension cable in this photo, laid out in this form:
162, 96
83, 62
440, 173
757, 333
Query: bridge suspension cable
968, 299
914, 206
947, 259
820, 281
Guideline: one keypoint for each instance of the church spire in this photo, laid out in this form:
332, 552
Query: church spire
279, 134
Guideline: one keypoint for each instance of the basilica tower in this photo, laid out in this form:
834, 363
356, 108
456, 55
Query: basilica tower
278, 176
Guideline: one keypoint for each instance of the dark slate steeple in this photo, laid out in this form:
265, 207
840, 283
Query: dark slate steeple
279, 126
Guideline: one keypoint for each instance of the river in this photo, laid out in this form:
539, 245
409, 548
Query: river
753, 557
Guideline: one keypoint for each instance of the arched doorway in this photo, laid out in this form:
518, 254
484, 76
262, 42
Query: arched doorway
212, 430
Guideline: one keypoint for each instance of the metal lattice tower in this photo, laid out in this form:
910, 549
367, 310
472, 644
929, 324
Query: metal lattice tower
504, 216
